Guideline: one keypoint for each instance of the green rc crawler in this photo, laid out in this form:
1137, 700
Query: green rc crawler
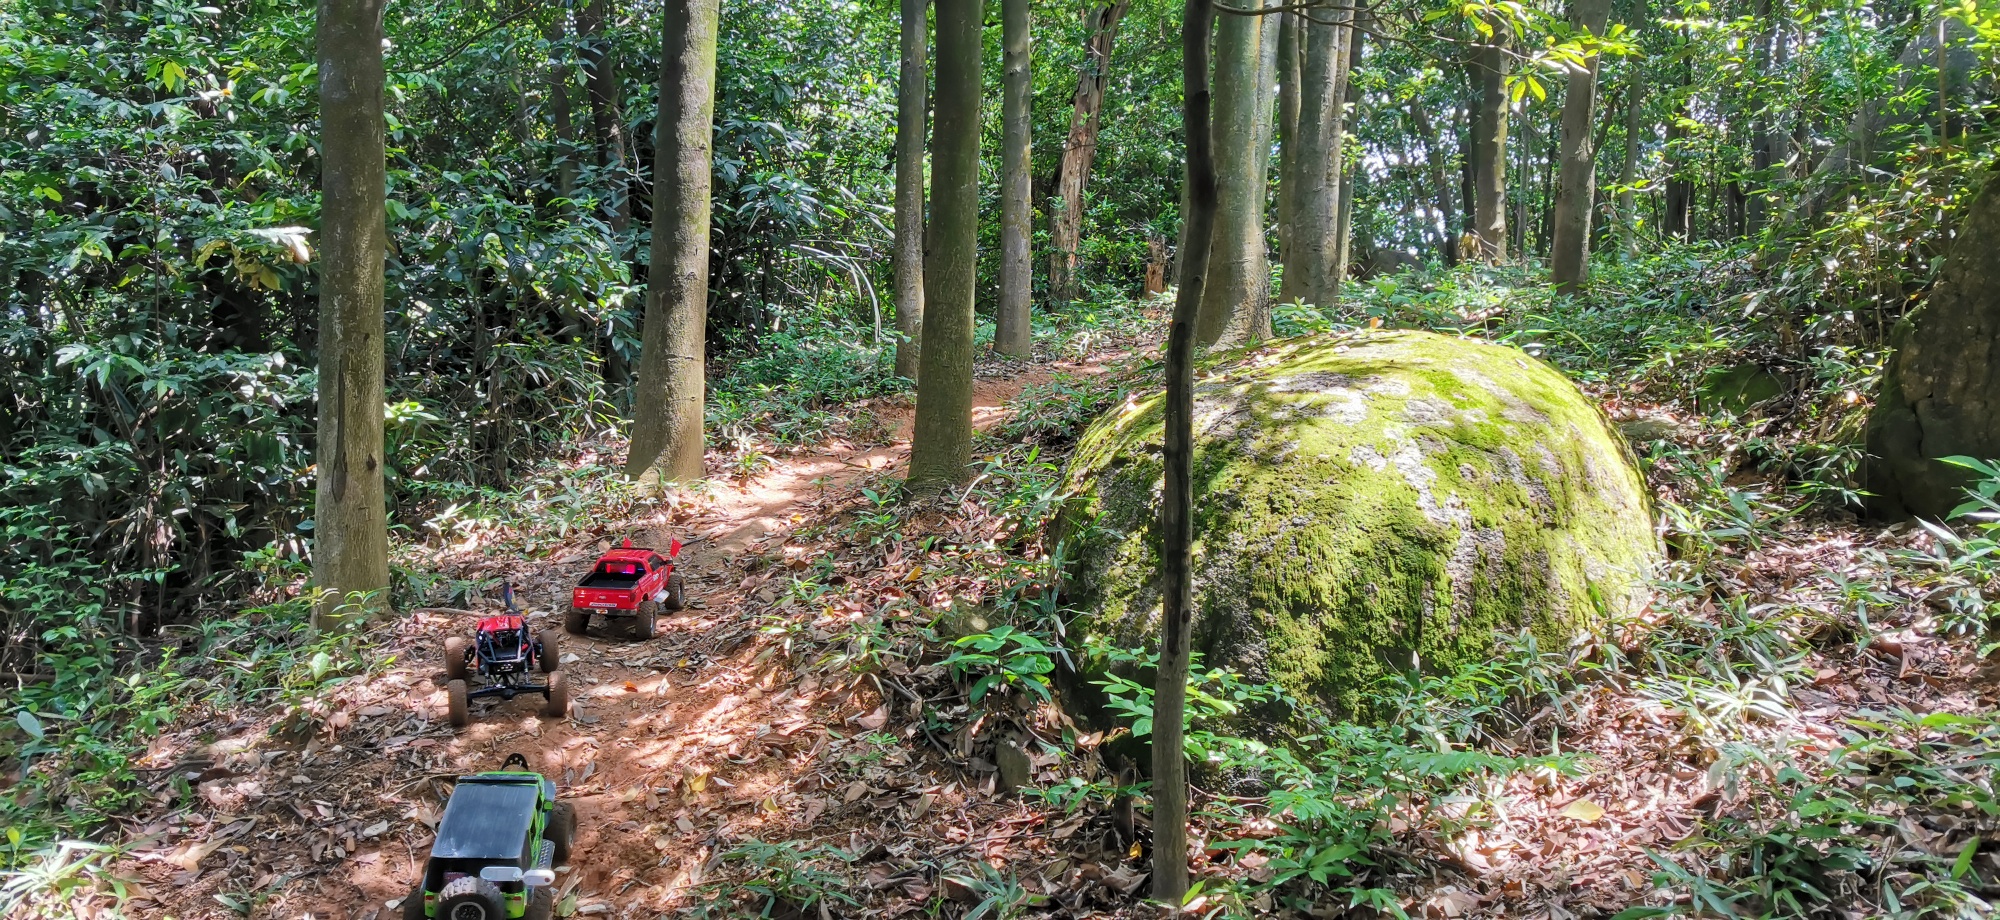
502, 835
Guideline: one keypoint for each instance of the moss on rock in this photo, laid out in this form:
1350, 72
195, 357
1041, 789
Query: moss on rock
1363, 504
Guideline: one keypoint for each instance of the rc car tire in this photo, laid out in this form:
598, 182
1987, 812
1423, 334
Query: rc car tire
558, 702
541, 904
455, 659
413, 906
646, 623
551, 650
576, 621
562, 831
458, 704
471, 898
676, 592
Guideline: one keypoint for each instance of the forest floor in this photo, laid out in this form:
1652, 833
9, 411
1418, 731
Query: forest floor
792, 745
674, 749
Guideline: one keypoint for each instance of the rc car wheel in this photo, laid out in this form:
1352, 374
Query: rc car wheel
576, 621
460, 706
676, 593
551, 650
541, 904
646, 622
558, 704
562, 831
455, 659
471, 898
413, 906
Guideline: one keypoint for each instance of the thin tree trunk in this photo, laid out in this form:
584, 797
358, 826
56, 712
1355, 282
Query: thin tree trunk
1291, 55
1316, 199
912, 92
941, 444
1440, 181
1080, 149
1236, 299
606, 111
1763, 151
1524, 179
1576, 191
1011, 334
559, 106
350, 517
1680, 188
670, 395
1343, 229
1170, 794
1628, 173
1489, 147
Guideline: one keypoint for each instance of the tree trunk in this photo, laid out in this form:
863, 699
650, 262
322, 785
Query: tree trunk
1440, 181
1941, 390
941, 444
1489, 147
669, 397
1343, 225
1680, 188
1236, 299
607, 114
1291, 56
912, 93
1080, 149
1628, 172
350, 516
1576, 189
1011, 333
1170, 794
559, 106
1316, 198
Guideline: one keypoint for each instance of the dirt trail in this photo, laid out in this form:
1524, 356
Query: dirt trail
700, 735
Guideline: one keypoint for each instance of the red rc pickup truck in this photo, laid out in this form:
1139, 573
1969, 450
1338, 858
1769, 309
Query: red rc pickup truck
628, 583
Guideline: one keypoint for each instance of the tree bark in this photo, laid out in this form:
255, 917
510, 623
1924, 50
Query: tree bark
941, 444
1576, 188
1170, 794
912, 94
350, 516
1236, 299
1941, 390
1489, 147
1011, 333
668, 400
1080, 149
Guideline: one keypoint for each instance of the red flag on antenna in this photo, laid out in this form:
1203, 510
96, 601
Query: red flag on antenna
627, 544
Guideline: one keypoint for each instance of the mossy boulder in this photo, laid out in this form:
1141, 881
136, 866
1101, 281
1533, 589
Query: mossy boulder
1363, 504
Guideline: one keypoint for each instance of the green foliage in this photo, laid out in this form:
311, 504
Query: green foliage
782, 880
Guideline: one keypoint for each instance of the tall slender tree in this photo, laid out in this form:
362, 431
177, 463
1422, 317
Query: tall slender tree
668, 401
1236, 302
912, 95
1343, 225
1170, 793
1489, 143
350, 515
941, 442
1316, 199
1291, 53
1576, 189
607, 108
1011, 334
1080, 148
